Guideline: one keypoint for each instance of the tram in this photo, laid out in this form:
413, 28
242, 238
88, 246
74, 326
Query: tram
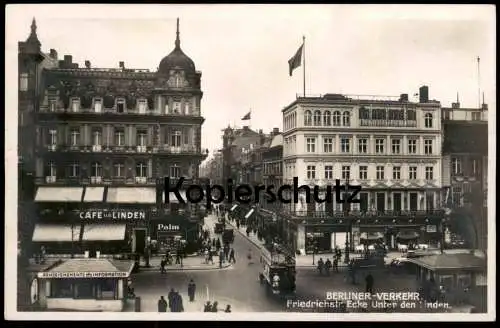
278, 270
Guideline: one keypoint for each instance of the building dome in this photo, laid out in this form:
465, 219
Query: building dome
177, 59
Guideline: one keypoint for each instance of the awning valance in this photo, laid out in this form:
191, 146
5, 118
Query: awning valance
407, 235
371, 235
59, 194
172, 198
94, 194
56, 233
249, 213
104, 232
131, 195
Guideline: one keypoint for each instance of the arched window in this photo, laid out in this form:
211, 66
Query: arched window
317, 118
379, 114
327, 118
346, 119
364, 113
307, 118
176, 139
177, 80
141, 170
428, 120
336, 118
96, 170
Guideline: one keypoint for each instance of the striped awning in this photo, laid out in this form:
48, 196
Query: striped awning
407, 234
233, 208
249, 213
59, 194
94, 194
131, 195
56, 232
172, 198
104, 232
371, 235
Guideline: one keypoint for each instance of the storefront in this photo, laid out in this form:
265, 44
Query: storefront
84, 285
324, 238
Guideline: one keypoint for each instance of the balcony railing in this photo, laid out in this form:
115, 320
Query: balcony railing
388, 123
112, 111
163, 149
358, 213
68, 181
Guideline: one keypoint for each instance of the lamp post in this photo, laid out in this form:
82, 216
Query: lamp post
349, 222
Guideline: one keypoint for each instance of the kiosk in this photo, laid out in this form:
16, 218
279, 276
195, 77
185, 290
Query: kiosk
84, 285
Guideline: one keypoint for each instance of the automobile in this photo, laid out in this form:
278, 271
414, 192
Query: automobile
359, 248
219, 228
398, 262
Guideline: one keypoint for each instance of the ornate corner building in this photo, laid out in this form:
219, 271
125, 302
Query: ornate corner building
98, 139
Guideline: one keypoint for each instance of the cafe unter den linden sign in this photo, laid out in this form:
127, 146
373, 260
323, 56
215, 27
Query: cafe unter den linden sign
113, 214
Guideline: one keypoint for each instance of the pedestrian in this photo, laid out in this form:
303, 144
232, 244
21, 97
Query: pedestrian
162, 265
232, 258
226, 251
170, 297
206, 255
213, 242
162, 304
214, 307
221, 258
178, 257
177, 305
42, 254
336, 264
238, 224
328, 266
352, 272
218, 244
191, 290
208, 307
228, 309
369, 283
248, 231
320, 266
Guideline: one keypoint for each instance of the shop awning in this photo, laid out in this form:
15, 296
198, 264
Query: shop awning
249, 213
56, 232
104, 232
407, 235
94, 194
371, 235
59, 194
131, 195
89, 268
172, 198
233, 208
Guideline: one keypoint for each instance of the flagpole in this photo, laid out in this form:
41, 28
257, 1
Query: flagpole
250, 120
304, 70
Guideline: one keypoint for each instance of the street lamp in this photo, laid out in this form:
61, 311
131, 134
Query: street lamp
349, 222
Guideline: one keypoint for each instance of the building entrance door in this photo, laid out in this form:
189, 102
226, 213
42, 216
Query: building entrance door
413, 201
139, 242
397, 201
380, 201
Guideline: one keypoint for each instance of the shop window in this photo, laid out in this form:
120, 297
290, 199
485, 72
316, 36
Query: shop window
23, 82
61, 288
464, 281
106, 289
85, 289
446, 282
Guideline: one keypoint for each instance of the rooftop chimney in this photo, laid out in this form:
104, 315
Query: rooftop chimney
455, 105
53, 54
484, 106
122, 65
68, 59
423, 94
260, 131
245, 127
87, 64
403, 97
276, 131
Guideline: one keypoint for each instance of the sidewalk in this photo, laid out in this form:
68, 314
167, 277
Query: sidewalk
191, 263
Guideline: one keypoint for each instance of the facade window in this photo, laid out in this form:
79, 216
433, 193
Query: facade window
119, 137
176, 139
457, 196
187, 108
75, 105
307, 118
120, 105
328, 172
23, 82
363, 173
346, 119
74, 170
328, 145
311, 172
75, 137
346, 172
53, 137
317, 118
175, 171
119, 170
456, 165
96, 170
396, 146
380, 173
142, 138
379, 146
141, 170
336, 118
98, 105
311, 145
178, 81
474, 167
362, 146
345, 145
429, 173
428, 120
412, 173
396, 173
476, 116
96, 137
176, 108
327, 118
142, 105
412, 146
52, 105
428, 147
52, 169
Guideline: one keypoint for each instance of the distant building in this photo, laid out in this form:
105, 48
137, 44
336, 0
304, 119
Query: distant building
98, 139
391, 147
465, 171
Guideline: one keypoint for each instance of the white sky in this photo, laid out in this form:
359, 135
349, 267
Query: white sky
242, 50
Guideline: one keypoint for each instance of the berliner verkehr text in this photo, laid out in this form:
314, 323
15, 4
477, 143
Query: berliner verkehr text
246, 194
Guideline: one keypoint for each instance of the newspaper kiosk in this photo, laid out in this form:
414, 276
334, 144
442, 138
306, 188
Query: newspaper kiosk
85, 285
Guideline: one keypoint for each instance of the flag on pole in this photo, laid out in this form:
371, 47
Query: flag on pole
247, 116
295, 61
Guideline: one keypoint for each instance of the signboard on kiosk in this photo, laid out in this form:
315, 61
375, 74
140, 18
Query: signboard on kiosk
80, 275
